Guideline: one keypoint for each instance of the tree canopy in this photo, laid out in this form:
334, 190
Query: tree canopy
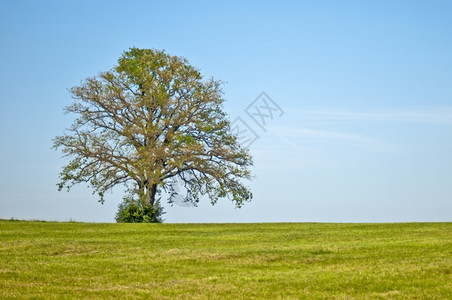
150, 120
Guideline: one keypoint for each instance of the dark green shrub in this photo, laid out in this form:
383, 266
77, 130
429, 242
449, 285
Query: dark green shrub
137, 211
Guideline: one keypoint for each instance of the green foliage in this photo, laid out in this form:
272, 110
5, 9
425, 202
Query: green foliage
138, 211
150, 120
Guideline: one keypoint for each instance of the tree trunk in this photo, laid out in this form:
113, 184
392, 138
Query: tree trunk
150, 193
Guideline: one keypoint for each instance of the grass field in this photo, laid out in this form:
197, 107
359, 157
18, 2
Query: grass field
209, 261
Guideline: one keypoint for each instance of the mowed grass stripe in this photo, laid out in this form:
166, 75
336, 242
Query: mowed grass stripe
209, 261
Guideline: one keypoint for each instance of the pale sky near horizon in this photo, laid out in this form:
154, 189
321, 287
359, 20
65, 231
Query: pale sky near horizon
365, 89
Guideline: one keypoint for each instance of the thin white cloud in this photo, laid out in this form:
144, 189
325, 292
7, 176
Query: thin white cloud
293, 136
287, 133
305, 132
430, 115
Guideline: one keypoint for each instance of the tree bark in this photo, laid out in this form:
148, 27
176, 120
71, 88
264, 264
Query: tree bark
151, 192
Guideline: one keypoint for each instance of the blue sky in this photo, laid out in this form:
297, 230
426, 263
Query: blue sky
365, 87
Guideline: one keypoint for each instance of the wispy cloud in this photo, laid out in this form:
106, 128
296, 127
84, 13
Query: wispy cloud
305, 132
429, 115
289, 135
357, 132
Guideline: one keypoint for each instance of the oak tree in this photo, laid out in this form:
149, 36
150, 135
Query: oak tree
150, 120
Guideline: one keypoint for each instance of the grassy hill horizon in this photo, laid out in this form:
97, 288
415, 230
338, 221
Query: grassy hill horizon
47, 259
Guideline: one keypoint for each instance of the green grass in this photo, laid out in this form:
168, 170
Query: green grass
208, 261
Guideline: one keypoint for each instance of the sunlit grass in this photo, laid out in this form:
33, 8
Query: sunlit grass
164, 261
